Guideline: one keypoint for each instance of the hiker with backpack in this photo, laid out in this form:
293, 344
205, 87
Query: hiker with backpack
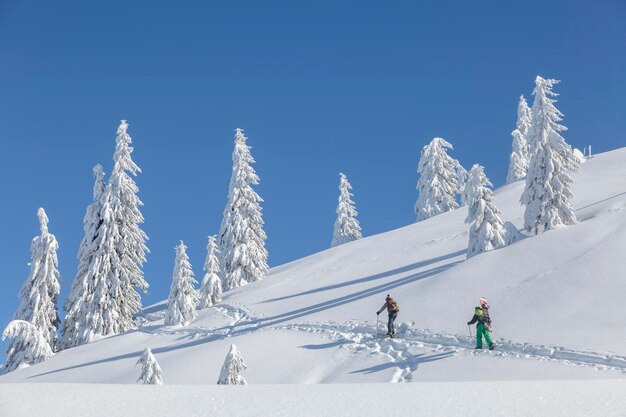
483, 326
393, 308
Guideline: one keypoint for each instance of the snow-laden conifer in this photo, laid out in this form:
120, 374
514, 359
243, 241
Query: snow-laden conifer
150, 370
347, 227
242, 238
183, 299
438, 183
110, 300
211, 288
520, 155
486, 228
28, 346
74, 324
548, 196
511, 234
232, 368
40, 292
462, 177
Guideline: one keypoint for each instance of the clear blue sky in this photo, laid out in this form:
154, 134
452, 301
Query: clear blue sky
319, 87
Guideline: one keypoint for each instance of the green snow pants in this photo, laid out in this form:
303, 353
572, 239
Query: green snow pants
480, 332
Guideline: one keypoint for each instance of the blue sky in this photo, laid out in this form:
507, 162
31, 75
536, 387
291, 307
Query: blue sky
319, 87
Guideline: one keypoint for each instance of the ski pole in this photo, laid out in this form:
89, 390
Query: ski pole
377, 316
470, 330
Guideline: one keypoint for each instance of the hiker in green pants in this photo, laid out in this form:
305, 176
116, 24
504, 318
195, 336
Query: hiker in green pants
482, 328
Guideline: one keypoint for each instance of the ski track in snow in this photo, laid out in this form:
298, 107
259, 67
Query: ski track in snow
365, 337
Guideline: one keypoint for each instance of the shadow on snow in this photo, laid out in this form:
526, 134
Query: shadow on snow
249, 326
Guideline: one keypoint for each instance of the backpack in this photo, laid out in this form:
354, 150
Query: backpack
394, 307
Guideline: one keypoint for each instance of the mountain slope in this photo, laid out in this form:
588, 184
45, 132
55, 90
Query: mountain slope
557, 301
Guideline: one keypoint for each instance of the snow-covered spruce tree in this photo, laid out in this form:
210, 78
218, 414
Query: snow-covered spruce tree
242, 238
520, 155
548, 196
437, 184
183, 299
28, 346
40, 292
231, 370
461, 177
347, 227
110, 300
150, 370
486, 229
73, 324
211, 288
511, 234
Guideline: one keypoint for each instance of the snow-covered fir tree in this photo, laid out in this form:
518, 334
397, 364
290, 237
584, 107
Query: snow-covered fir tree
110, 300
73, 324
232, 368
242, 238
150, 370
40, 292
461, 177
438, 183
486, 228
211, 288
183, 299
548, 196
347, 227
28, 346
520, 155
511, 234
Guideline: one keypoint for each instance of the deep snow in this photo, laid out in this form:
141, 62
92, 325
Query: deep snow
495, 399
557, 304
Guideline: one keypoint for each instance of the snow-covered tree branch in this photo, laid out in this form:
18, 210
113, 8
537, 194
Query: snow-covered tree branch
28, 346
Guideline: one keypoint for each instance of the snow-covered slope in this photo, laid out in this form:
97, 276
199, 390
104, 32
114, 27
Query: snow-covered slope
557, 305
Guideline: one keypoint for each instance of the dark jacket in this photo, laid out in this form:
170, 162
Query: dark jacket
479, 317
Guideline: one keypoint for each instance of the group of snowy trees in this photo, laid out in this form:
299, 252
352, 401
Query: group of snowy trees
184, 300
230, 374
104, 298
540, 156
236, 257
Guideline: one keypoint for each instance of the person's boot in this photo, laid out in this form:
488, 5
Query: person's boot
478, 347
491, 346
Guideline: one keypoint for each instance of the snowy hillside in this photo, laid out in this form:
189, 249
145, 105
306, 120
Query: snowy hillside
557, 305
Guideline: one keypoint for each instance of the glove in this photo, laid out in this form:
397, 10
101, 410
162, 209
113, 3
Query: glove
468, 323
378, 313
